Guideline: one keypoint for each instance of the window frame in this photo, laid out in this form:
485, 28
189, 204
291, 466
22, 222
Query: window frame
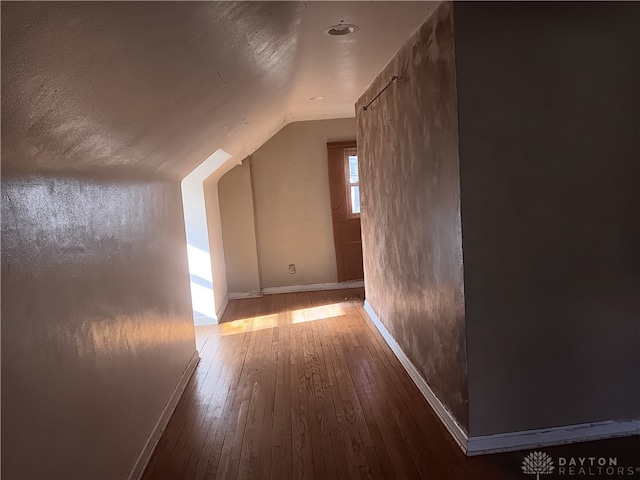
348, 184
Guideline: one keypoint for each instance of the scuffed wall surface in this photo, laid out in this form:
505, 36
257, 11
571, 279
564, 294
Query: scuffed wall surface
549, 105
96, 322
408, 147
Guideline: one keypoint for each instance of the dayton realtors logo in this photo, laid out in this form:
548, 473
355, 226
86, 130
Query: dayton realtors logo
539, 463
591, 466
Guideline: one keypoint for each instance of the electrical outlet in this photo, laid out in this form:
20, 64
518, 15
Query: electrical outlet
292, 268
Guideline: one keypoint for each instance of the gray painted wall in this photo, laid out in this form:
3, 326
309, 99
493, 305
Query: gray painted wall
96, 321
411, 233
548, 98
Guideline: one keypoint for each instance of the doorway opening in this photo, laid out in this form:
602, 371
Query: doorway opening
201, 276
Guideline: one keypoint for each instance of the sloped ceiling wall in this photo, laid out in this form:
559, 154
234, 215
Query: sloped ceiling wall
158, 86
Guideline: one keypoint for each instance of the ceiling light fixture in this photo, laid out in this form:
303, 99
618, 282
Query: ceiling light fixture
341, 29
319, 97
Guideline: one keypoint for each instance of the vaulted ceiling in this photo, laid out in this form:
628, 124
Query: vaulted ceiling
157, 87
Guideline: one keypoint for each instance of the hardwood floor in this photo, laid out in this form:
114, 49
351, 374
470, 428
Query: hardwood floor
303, 386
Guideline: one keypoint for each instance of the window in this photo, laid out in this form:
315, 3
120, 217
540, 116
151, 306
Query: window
354, 184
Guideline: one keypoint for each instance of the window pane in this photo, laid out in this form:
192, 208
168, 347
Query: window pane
353, 169
355, 199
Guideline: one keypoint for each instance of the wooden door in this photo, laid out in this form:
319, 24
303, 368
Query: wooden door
345, 209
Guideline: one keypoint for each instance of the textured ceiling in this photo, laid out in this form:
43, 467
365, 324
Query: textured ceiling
157, 87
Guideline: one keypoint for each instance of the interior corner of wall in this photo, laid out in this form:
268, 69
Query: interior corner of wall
216, 247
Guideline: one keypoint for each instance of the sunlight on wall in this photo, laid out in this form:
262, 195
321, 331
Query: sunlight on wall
198, 253
202, 302
202, 298
199, 263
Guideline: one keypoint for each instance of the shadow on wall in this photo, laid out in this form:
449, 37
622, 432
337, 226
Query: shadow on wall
198, 250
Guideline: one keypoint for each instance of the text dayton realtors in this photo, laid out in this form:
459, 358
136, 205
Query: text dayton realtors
592, 466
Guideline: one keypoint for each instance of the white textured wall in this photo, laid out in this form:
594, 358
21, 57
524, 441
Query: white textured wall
292, 205
96, 321
238, 229
215, 242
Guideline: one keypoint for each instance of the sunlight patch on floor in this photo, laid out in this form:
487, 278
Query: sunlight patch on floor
303, 315
316, 313
251, 324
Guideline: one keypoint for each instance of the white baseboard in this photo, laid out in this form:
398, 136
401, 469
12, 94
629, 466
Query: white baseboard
545, 437
451, 424
222, 308
313, 287
161, 424
206, 320
240, 295
511, 441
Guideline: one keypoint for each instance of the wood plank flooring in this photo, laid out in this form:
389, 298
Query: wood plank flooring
303, 386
